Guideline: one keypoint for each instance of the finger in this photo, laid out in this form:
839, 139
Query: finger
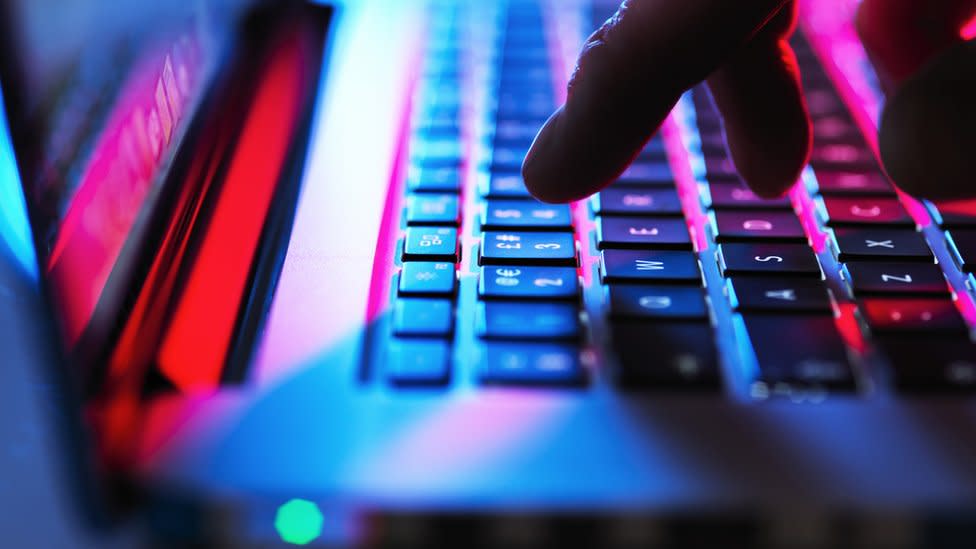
630, 74
925, 135
901, 36
758, 92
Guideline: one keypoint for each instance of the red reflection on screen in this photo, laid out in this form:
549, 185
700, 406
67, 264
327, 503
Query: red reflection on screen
124, 163
194, 348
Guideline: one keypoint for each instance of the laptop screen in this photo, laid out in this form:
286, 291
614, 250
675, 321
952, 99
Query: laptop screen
99, 94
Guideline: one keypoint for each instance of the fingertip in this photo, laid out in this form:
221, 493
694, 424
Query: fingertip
925, 135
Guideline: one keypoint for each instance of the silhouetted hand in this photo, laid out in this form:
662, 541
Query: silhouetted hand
633, 70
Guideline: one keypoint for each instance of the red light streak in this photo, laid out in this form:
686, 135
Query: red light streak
194, 348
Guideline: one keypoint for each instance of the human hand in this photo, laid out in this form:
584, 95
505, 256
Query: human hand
633, 70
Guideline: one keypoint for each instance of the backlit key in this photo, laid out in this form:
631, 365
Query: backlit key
650, 266
637, 201
912, 316
657, 302
651, 174
880, 245
797, 353
526, 215
778, 295
433, 209
521, 282
738, 196
744, 225
840, 211
532, 364
642, 232
427, 278
418, 362
535, 321
896, 278
434, 179
504, 185
684, 354
523, 248
430, 244
423, 317
771, 259
948, 365
853, 183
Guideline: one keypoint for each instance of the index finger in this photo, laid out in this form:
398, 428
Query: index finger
630, 74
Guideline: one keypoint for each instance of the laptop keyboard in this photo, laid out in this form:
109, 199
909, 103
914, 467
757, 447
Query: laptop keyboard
667, 280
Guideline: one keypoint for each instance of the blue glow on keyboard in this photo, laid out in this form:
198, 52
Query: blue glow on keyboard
15, 235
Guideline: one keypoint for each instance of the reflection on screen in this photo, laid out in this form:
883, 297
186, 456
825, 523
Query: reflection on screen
105, 93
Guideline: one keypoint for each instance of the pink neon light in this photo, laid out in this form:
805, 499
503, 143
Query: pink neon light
679, 158
968, 31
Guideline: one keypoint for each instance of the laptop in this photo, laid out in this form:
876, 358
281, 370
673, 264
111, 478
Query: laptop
291, 289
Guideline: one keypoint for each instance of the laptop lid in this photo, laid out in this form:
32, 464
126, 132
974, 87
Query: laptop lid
99, 96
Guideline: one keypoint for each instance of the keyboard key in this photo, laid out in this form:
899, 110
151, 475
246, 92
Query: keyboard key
650, 266
507, 320
954, 214
439, 153
737, 195
948, 365
778, 259
529, 283
896, 278
657, 302
779, 295
740, 225
637, 201
642, 232
797, 352
423, 317
840, 211
433, 209
526, 215
427, 278
508, 158
650, 174
515, 132
684, 355
880, 245
434, 179
837, 129
504, 185
430, 244
653, 151
843, 157
418, 362
522, 248
962, 247
912, 316
532, 364
853, 183
720, 168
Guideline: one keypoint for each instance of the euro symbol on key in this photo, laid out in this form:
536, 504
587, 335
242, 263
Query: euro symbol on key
508, 273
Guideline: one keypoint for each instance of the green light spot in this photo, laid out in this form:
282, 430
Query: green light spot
298, 521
